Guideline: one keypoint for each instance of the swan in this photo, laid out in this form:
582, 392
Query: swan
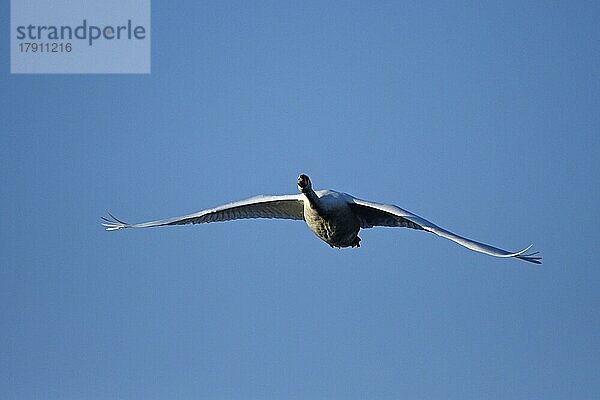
334, 217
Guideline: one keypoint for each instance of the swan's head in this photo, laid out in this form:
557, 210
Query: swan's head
304, 183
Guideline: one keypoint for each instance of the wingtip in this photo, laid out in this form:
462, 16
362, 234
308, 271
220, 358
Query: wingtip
518, 253
521, 255
113, 223
531, 257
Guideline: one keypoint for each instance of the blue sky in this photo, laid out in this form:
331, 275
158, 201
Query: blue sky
482, 118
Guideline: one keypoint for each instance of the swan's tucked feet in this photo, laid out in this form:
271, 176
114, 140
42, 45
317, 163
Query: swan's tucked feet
356, 242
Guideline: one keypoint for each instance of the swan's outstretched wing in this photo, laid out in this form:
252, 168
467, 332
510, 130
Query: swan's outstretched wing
375, 214
282, 207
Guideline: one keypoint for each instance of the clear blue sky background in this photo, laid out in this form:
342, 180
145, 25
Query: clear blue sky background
482, 118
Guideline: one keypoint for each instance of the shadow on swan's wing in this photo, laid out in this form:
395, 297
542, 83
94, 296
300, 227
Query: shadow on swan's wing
373, 214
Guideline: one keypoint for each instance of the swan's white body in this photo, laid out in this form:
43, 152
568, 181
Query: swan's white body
334, 217
335, 223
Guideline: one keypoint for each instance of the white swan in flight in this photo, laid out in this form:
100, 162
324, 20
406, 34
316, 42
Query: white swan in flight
334, 217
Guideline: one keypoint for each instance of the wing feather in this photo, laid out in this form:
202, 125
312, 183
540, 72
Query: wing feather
373, 214
281, 207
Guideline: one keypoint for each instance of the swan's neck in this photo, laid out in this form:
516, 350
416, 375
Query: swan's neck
313, 200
